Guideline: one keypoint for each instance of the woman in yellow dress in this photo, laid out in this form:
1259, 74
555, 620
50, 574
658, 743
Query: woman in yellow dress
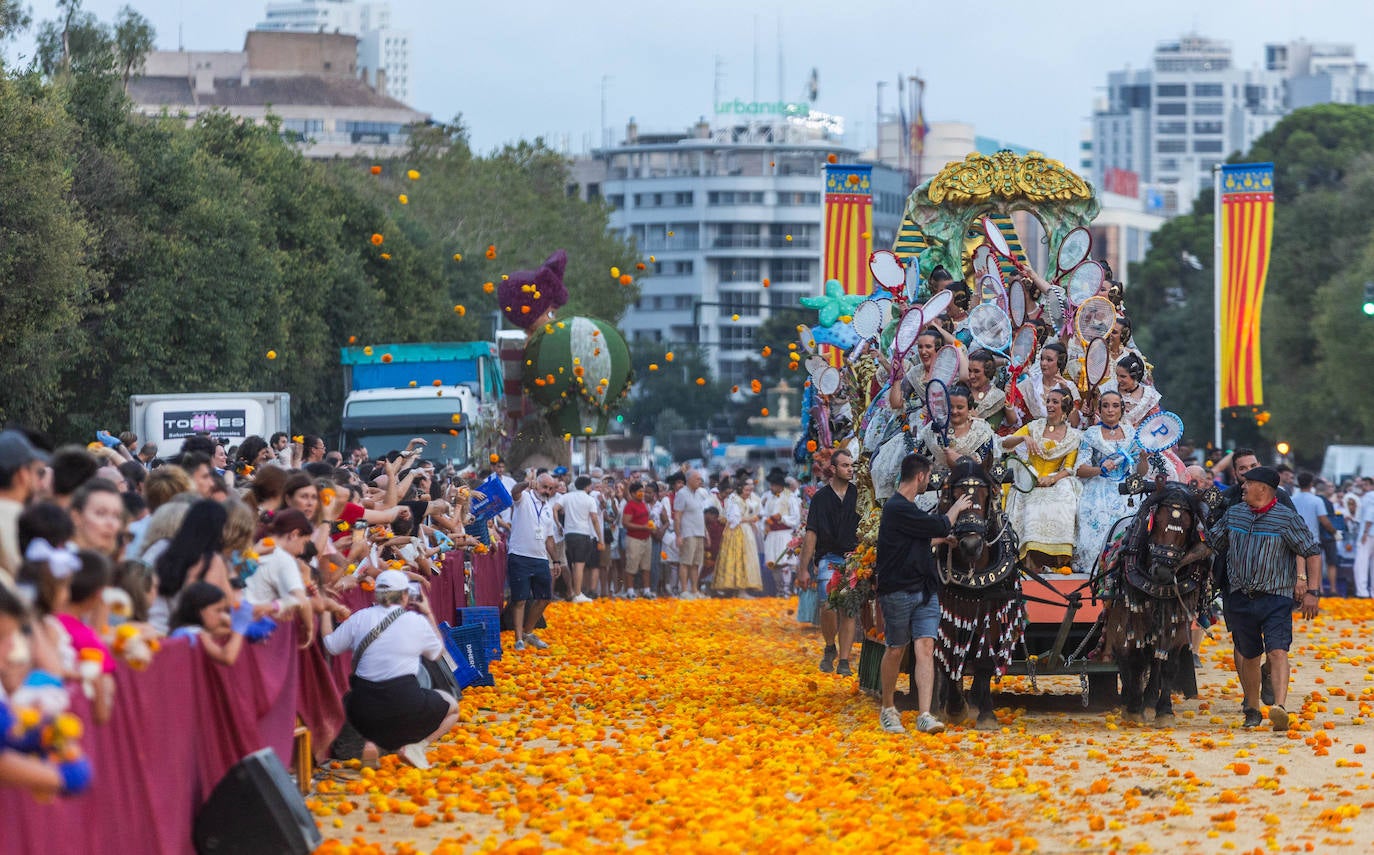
1045, 518
737, 565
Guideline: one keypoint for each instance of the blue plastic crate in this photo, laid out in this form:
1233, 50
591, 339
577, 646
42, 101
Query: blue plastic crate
490, 618
466, 645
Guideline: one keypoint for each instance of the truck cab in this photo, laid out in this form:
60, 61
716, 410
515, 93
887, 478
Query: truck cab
448, 393
381, 420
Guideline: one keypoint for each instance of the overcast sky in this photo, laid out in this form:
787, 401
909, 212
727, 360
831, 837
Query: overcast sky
1027, 74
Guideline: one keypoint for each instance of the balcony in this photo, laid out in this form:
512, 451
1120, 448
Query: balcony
764, 242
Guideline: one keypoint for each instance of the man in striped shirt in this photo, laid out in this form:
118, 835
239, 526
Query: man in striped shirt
1263, 539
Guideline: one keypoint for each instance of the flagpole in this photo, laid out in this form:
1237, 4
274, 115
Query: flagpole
1217, 250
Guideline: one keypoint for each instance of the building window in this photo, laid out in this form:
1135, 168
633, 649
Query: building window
1207, 146
1171, 146
790, 270
743, 303
740, 270
682, 302
617, 200
1209, 108
782, 300
734, 197
799, 199
736, 337
1213, 127
1174, 127
1171, 108
1171, 90
1208, 90
1168, 164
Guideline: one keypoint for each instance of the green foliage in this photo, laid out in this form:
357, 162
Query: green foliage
1314, 337
146, 256
671, 386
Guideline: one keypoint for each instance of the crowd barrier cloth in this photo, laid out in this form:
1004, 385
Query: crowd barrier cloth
176, 729
179, 726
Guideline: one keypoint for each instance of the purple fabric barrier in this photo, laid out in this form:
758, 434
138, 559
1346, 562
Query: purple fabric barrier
320, 704
489, 576
176, 729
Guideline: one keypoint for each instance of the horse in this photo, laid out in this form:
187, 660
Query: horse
980, 606
1152, 578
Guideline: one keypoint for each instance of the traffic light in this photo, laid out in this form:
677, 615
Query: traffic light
1368, 298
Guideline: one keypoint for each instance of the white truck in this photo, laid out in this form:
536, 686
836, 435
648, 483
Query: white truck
167, 420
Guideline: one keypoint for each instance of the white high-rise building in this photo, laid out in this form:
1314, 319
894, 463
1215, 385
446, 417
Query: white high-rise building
381, 47
1169, 124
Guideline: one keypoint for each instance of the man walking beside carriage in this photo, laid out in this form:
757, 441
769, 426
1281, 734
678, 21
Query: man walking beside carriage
1262, 538
908, 585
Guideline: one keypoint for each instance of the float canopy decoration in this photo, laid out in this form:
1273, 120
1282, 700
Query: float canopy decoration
578, 371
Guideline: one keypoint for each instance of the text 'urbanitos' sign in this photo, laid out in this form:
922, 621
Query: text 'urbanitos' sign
763, 108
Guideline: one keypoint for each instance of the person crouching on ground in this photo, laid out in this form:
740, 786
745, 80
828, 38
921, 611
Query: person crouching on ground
908, 584
386, 702
1262, 539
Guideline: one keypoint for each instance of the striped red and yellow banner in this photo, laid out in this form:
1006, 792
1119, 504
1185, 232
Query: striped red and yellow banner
848, 235
848, 226
1247, 226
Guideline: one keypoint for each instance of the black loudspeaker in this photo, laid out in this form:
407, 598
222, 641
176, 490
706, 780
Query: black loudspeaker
256, 809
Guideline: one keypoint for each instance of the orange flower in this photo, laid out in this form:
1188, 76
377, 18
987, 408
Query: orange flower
701, 381
377, 239
763, 412
269, 543
413, 174
766, 283
376, 169
491, 251
639, 266
386, 357
271, 354
353, 339
811, 445
386, 256
452, 432
668, 357
755, 386
653, 366
460, 310
626, 279
494, 458
457, 256
488, 287
766, 352
403, 199
830, 158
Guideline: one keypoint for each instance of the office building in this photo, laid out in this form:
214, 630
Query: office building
381, 47
1169, 124
721, 210
310, 81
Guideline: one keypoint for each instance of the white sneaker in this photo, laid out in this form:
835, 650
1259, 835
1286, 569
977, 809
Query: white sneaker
648, 595
891, 720
927, 723
581, 598
536, 642
414, 754
630, 594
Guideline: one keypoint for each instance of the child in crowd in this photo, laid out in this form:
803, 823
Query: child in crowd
205, 616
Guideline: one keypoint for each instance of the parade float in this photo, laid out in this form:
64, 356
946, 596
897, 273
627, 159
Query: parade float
864, 342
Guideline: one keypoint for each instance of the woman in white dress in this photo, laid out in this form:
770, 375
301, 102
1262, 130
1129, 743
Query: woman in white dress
1045, 519
1101, 504
1054, 357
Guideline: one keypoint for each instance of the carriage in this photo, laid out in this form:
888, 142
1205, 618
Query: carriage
970, 219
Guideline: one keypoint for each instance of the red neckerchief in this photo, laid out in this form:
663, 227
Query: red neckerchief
1257, 511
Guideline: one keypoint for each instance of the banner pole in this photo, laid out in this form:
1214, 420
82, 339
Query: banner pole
1217, 251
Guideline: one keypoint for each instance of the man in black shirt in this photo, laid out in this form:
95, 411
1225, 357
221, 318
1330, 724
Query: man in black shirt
908, 585
832, 529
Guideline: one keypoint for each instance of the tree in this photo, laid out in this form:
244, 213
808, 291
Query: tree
79, 42
133, 41
44, 283
1322, 224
